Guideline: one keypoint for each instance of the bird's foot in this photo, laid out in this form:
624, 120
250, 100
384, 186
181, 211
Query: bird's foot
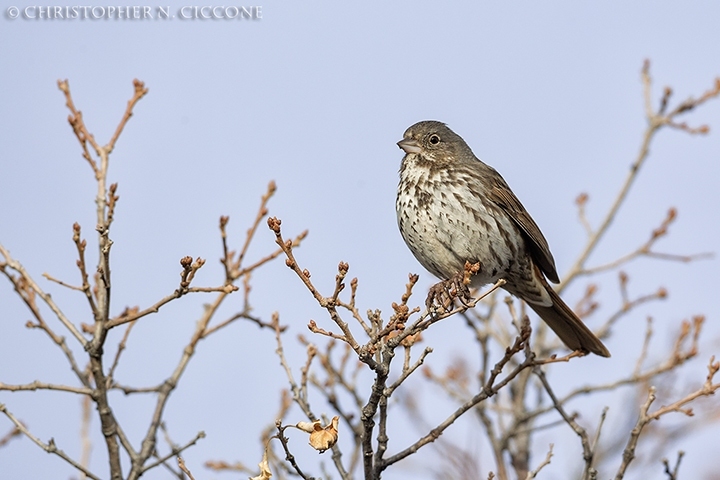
443, 294
439, 297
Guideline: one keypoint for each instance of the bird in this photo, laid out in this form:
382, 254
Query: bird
452, 208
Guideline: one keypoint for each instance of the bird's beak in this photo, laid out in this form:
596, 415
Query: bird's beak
409, 145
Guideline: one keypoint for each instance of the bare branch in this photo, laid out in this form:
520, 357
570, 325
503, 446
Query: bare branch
36, 385
262, 212
656, 120
489, 389
672, 472
185, 470
289, 456
588, 451
121, 347
175, 453
708, 388
532, 474
30, 285
140, 91
49, 447
14, 432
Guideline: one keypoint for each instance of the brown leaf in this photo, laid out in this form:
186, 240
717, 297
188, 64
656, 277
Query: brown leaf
321, 438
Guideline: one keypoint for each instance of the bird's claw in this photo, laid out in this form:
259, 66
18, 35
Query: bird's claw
443, 293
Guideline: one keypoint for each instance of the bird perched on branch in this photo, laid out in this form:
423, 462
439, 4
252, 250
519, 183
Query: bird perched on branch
452, 209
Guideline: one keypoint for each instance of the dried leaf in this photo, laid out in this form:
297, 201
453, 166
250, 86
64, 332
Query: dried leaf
308, 427
321, 438
265, 472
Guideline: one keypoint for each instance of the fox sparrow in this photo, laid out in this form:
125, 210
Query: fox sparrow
452, 209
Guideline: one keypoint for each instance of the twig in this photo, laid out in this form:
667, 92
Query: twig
407, 372
498, 447
81, 245
246, 316
644, 350
164, 391
140, 91
298, 394
28, 296
489, 389
34, 287
181, 465
262, 212
672, 472
289, 456
49, 447
532, 474
189, 269
656, 120
581, 202
646, 249
676, 357
629, 305
588, 452
596, 440
120, 349
708, 388
36, 385
78, 126
328, 303
14, 432
85, 432
426, 319
174, 452
61, 283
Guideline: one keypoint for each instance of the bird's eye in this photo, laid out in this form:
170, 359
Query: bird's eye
434, 139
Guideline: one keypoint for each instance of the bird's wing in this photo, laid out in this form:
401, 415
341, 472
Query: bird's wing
506, 199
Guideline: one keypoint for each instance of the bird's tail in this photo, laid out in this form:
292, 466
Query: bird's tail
571, 330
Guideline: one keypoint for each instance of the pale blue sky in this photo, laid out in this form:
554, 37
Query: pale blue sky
314, 96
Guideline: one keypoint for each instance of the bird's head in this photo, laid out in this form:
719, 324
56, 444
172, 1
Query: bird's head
434, 142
